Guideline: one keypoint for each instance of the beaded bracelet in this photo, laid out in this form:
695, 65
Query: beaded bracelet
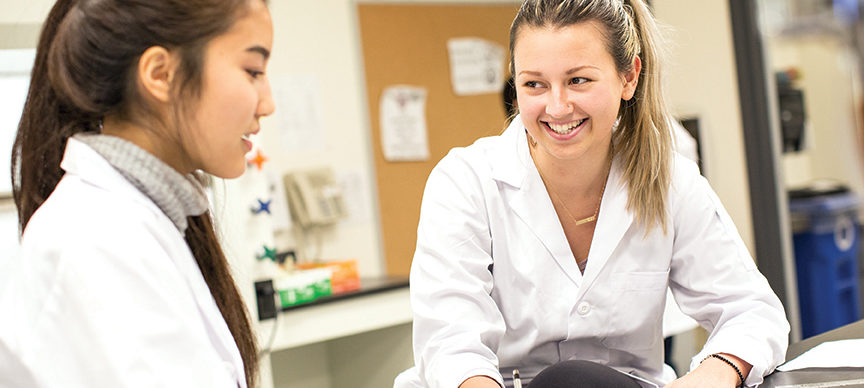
726, 360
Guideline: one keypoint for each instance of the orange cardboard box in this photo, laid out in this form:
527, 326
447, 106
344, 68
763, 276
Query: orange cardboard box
345, 275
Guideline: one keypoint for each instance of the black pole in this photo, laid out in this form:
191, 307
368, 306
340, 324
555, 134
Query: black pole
768, 208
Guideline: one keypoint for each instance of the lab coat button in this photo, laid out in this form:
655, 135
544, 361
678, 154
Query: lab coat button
583, 308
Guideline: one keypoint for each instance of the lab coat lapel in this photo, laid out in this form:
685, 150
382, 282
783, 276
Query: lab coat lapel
612, 223
531, 203
217, 328
528, 198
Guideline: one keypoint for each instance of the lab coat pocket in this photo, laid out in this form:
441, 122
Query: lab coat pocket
637, 302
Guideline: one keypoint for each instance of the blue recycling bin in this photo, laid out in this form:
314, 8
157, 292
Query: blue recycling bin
825, 234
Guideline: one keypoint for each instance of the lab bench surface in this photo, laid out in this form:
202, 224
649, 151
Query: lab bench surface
368, 286
820, 377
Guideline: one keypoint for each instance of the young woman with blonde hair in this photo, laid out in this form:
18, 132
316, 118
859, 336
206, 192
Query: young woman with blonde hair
549, 248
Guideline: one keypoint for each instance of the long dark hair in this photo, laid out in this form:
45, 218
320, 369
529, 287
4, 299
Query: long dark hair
85, 69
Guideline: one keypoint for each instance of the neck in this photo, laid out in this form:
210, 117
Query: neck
154, 142
582, 177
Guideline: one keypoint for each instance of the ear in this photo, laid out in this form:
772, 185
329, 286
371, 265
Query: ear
631, 79
156, 69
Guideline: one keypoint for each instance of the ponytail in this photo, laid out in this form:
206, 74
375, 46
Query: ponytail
643, 138
46, 124
202, 241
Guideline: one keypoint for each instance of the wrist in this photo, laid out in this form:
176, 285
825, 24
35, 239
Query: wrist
723, 361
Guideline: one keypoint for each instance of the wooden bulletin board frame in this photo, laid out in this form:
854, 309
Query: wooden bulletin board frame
406, 44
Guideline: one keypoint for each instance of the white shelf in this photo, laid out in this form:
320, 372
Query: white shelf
319, 323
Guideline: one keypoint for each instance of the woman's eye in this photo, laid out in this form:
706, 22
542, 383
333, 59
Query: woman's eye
578, 80
532, 84
255, 73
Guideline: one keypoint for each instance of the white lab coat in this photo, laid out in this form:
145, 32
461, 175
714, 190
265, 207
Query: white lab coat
494, 285
105, 293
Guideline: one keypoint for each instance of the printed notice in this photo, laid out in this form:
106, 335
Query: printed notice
298, 112
476, 66
403, 124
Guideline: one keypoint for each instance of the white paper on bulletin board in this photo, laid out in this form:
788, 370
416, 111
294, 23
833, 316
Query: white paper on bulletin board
403, 124
299, 114
476, 66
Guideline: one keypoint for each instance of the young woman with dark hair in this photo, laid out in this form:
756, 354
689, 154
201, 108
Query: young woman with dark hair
120, 280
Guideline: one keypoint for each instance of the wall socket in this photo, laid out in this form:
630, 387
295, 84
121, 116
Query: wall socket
265, 295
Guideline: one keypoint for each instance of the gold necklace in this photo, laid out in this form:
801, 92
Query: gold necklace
585, 220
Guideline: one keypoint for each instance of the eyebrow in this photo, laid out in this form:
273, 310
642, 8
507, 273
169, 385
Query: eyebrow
260, 50
571, 71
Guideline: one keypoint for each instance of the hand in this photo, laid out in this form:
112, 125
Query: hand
479, 382
713, 373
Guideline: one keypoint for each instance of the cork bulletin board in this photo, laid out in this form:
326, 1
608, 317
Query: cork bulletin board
406, 44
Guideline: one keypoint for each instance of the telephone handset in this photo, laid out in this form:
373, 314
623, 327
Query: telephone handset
314, 197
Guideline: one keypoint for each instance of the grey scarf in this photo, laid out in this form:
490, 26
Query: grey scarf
177, 195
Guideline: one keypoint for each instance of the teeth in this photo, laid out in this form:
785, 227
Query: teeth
246, 136
563, 129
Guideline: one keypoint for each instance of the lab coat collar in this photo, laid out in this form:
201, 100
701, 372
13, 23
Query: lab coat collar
505, 167
530, 201
81, 160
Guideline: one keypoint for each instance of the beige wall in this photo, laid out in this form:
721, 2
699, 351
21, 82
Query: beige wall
828, 79
22, 12
702, 81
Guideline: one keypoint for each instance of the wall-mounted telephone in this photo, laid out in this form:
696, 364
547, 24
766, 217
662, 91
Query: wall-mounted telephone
314, 196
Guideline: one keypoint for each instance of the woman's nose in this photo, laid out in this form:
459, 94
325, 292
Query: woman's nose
558, 105
266, 105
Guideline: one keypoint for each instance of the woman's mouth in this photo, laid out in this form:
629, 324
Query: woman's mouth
247, 141
566, 128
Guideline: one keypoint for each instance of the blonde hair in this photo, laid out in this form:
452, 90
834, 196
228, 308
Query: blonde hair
643, 136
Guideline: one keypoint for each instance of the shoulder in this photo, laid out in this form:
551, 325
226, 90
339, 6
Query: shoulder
460, 174
683, 170
84, 223
488, 157
689, 191
80, 208
477, 155
691, 197
85, 241
467, 178
684, 173
95, 217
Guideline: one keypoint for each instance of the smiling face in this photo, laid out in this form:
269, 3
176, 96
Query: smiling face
568, 89
235, 94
